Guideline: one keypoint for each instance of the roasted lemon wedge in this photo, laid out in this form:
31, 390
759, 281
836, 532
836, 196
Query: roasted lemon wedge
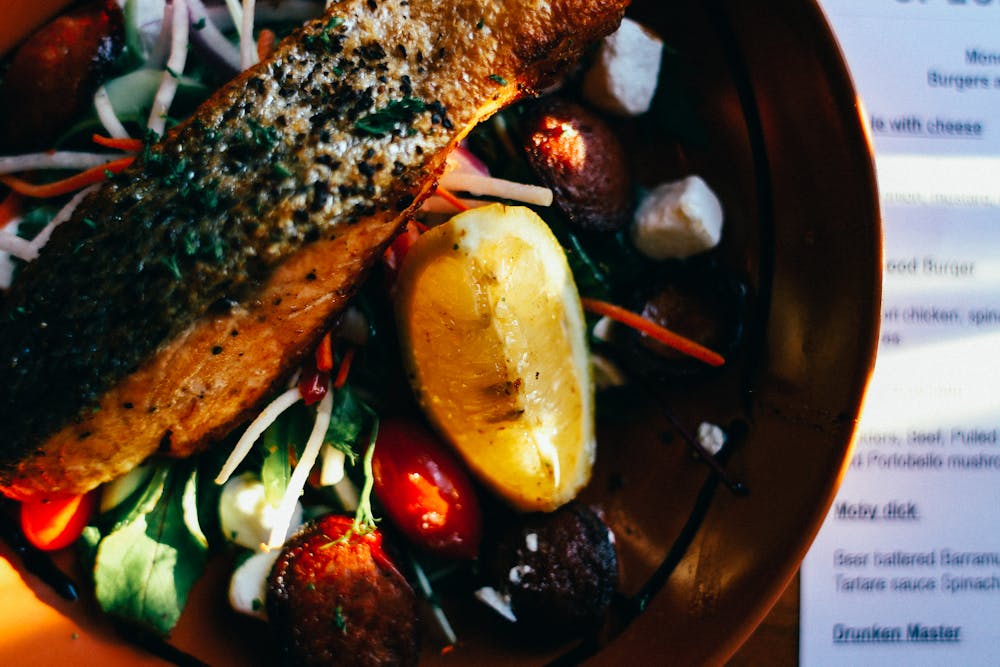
494, 342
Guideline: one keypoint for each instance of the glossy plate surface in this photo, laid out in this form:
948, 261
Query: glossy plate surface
768, 116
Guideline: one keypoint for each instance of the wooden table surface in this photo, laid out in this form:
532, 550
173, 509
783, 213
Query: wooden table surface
776, 641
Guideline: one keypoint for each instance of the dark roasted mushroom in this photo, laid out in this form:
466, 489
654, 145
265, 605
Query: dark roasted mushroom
577, 155
54, 74
698, 300
558, 570
341, 601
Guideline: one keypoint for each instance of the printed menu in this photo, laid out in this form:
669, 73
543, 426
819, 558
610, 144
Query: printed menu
906, 569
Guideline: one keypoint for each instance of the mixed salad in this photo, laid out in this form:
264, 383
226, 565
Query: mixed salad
353, 449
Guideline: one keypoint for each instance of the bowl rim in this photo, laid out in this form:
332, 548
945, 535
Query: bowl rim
789, 17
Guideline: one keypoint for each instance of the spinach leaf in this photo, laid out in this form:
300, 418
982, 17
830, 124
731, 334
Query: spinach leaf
145, 567
350, 417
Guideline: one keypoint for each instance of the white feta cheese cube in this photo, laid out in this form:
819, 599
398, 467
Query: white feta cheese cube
677, 220
711, 437
245, 515
248, 584
623, 78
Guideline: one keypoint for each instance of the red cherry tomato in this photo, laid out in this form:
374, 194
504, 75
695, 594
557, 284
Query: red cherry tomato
54, 523
313, 384
335, 526
425, 491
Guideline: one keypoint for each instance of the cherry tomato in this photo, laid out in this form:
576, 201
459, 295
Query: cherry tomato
313, 384
335, 526
426, 493
54, 523
400, 246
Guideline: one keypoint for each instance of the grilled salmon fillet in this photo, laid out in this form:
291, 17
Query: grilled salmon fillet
183, 292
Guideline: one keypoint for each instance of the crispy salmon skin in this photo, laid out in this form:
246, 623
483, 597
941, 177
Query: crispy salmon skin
183, 292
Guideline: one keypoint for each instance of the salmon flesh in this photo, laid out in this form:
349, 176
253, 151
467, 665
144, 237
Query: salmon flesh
181, 294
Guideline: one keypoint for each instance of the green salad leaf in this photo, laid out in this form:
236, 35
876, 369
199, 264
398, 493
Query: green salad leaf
350, 418
145, 566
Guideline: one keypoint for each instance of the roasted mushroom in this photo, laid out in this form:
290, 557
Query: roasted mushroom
557, 570
699, 300
577, 155
56, 71
337, 600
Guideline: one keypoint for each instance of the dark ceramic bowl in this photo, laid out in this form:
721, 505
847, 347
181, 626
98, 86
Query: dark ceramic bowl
758, 101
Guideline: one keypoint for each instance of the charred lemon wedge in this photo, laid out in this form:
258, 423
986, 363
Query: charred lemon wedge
493, 338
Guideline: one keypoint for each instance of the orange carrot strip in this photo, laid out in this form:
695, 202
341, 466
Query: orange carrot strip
265, 43
324, 354
67, 185
654, 330
345, 368
10, 208
451, 199
129, 145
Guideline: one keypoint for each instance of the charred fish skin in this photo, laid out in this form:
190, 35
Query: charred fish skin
346, 125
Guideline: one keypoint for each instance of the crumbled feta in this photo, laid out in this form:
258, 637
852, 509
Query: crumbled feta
602, 329
531, 542
497, 601
711, 437
677, 220
246, 516
248, 585
623, 78
517, 573
606, 372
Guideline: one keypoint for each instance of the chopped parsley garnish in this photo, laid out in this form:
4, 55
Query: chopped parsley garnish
496, 78
339, 620
398, 112
264, 136
324, 34
199, 24
281, 170
171, 264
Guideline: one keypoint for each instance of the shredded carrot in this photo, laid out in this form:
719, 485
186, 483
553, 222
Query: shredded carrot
126, 144
654, 330
265, 43
10, 208
345, 368
67, 185
451, 199
324, 354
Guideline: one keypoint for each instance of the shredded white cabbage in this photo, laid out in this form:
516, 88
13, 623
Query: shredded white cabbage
13, 244
179, 24
248, 48
10, 164
106, 114
211, 35
267, 416
286, 507
489, 186
62, 216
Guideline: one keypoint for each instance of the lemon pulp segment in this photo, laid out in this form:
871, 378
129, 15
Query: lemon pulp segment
494, 341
